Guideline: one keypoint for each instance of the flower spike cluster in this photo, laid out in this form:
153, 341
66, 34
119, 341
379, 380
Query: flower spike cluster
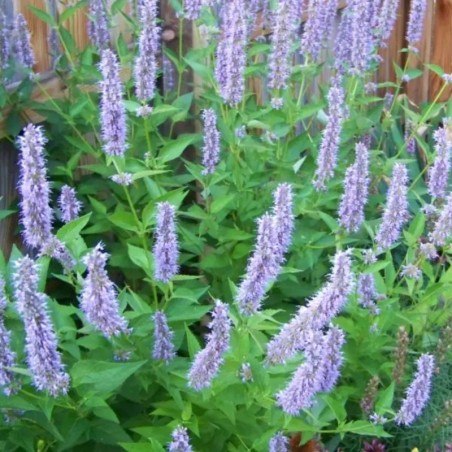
34, 189
166, 248
208, 361
112, 111
99, 300
396, 211
438, 174
387, 18
163, 338
418, 8
68, 203
180, 441
98, 24
231, 52
8, 380
278, 443
351, 210
24, 53
283, 217
44, 360
146, 64
4, 42
418, 393
211, 148
331, 136
442, 229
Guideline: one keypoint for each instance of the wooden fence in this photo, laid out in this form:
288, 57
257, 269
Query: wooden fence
435, 47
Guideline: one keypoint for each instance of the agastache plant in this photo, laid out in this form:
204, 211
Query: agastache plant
418, 393
263, 266
99, 300
98, 24
8, 380
231, 52
112, 111
367, 293
208, 361
387, 17
146, 64
319, 312
24, 53
331, 136
333, 343
284, 27
418, 8
180, 441
351, 209
34, 189
442, 228
278, 443
438, 174
166, 247
5, 44
211, 147
68, 204
163, 338
44, 360
396, 211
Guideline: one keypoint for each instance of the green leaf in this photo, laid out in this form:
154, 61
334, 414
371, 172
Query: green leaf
385, 398
45, 17
124, 220
174, 149
219, 204
192, 342
141, 258
101, 376
71, 230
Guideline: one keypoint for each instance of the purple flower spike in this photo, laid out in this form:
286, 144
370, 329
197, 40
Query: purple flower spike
98, 24
438, 173
231, 52
418, 9
180, 441
56, 249
34, 189
192, 9
387, 18
331, 136
410, 141
344, 42
8, 380
284, 29
24, 53
166, 248
146, 64
333, 343
283, 217
367, 293
208, 361
163, 339
418, 393
112, 111
68, 203
396, 211
211, 148
442, 229
5, 46
263, 266
351, 210
99, 300
278, 443
44, 360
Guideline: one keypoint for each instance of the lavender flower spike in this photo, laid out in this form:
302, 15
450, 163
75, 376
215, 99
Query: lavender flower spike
208, 361
211, 148
438, 173
68, 203
146, 64
24, 53
8, 380
442, 229
367, 293
34, 189
418, 393
163, 338
396, 211
351, 210
112, 110
387, 18
231, 52
283, 216
99, 300
4, 42
278, 443
98, 24
418, 9
283, 35
333, 343
192, 9
166, 248
331, 136
44, 360
263, 266
180, 442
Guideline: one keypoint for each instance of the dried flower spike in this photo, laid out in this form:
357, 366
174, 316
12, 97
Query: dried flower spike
400, 355
99, 300
368, 400
44, 360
